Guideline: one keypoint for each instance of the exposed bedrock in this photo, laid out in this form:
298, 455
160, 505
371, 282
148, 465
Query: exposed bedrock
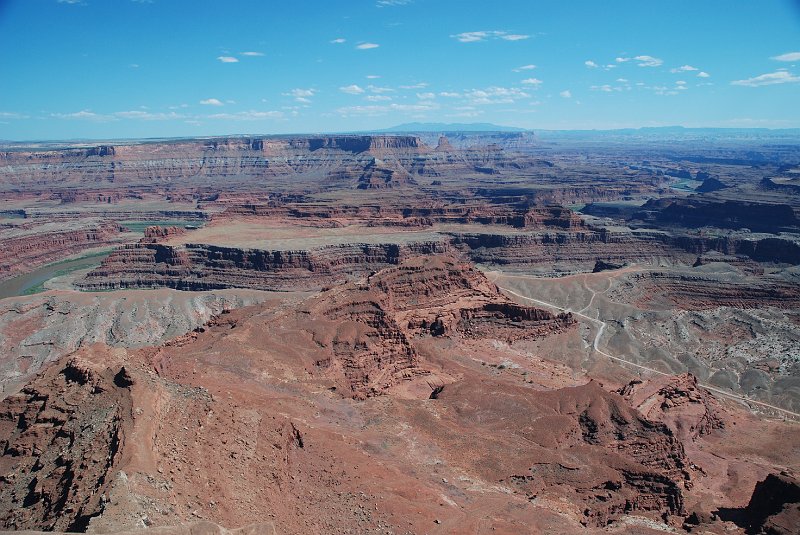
236, 159
697, 212
39, 329
678, 401
555, 217
30, 245
197, 266
774, 509
207, 267
583, 248
585, 445
698, 292
61, 437
366, 330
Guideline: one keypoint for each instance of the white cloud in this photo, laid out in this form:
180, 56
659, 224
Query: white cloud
426, 96
211, 102
514, 37
253, 54
566, 93
525, 68
352, 89
535, 82
378, 98
485, 35
84, 115
684, 68
134, 65
70, 2
605, 88
495, 95
449, 94
367, 46
372, 77
591, 64
789, 56
379, 90
648, 61
228, 59
339, 41
251, 115
301, 95
622, 80
420, 85
777, 77
471, 37
148, 116
642, 61
392, 3
703, 74
12, 115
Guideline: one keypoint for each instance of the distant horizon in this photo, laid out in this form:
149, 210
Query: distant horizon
93, 69
389, 132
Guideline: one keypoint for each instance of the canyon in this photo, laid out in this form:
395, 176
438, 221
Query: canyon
434, 332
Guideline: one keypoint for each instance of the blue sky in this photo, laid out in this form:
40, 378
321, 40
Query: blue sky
138, 68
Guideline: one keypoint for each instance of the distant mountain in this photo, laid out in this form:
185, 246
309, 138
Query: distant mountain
452, 127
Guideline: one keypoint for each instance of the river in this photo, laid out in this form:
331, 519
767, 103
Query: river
29, 282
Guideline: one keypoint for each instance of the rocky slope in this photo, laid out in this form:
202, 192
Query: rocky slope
364, 331
361, 409
61, 438
29, 245
39, 329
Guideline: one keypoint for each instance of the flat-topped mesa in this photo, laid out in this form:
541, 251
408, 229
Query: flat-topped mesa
199, 266
102, 150
156, 233
696, 212
356, 144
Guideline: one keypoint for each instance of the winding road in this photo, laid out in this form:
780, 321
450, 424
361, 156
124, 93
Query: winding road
601, 327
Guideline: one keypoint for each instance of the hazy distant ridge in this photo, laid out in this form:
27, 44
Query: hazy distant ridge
452, 127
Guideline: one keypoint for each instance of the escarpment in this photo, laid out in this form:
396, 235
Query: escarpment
27, 245
699, 212
208, 267
703, 292
551, 238
234, 159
